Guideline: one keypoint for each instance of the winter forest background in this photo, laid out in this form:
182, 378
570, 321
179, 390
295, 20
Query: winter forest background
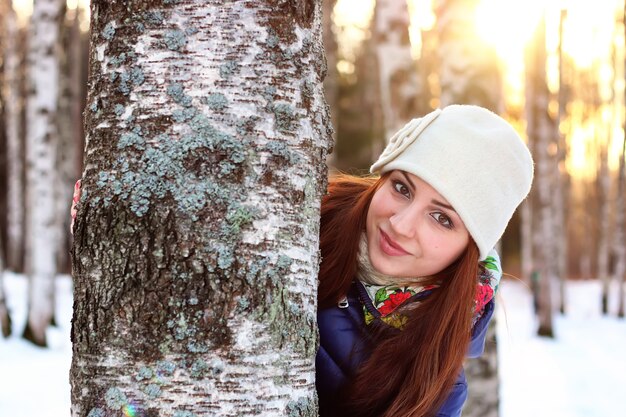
555, 69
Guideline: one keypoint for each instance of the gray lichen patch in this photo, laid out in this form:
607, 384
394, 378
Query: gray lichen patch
177, 92
152, 391
109, 31
303, 407
228, 68
175, 40
216, 101
115, 398
285, 117
96, 412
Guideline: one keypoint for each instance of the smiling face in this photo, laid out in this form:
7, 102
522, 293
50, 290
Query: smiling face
412, 231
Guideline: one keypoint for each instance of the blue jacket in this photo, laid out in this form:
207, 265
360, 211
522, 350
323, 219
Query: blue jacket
342, 350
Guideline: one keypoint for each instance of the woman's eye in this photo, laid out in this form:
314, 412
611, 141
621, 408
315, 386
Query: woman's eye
442, 219
401, 188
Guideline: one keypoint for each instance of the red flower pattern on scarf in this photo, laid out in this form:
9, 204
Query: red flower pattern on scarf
394, 300
484, 293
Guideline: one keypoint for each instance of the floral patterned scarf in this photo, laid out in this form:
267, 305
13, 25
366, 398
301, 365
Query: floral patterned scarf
387, 293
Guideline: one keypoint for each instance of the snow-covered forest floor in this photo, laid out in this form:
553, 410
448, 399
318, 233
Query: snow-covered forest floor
581, 373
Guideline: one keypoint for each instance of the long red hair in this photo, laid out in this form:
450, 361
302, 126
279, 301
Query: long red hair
404, 375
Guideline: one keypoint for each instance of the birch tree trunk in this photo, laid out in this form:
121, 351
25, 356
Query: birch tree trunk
620, 218
526, 229
604, 187
331, 82
5, 7
195, 253
42, 141
468, 74
561, 194
5, 318
397, 73
541, 131
66, 150
468, 71
13, 104
619, 249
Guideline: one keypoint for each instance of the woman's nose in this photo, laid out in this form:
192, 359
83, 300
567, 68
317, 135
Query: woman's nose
404, 223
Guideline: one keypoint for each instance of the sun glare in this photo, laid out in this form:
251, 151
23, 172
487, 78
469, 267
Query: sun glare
24, 8
508, 24
351, 18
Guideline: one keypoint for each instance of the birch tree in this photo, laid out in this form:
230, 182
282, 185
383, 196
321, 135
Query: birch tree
12, 106
468, 74
331, 81
620, 207
67, 147
561, 192
5, 318
397, 73
619, 248
541, 133
195, 253
603, 181
42, 140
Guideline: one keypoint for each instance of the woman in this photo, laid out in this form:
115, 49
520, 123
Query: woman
403, 298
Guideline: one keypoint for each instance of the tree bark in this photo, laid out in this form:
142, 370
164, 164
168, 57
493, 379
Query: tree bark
620, 218
397, 73
541, 131
604, 186
619, 249
13, 104
42, 140
468, 74
468, 68
331, 81
66, 150
195, 253
561, 193
5, 318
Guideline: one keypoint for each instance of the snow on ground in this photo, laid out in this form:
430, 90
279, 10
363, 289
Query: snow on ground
581, 373
35, 381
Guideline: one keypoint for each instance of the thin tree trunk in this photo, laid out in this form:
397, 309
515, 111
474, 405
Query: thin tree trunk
5, 8
541, 132
66, 158
331, 82
468, 73
620, 220
604, 186
526, 228
468, 67
397, 73
13, 104
5, 318
42, 140
561, 193
620, 239
195, 253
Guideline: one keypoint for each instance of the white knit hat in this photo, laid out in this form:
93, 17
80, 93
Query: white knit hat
473, 158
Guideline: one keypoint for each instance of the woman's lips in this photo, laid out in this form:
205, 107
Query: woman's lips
389, 247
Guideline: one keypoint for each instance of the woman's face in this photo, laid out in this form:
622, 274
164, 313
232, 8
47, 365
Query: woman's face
412, 231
